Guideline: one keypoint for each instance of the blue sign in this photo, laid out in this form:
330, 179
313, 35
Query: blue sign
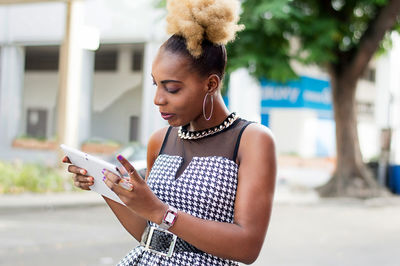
303, 93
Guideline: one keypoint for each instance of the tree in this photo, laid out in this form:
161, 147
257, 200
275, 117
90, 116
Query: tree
338, 35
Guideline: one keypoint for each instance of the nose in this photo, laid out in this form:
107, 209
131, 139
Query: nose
159, 97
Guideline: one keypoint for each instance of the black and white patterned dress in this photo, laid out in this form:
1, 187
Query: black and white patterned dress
198, 177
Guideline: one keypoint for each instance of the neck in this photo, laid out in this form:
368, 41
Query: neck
219, 114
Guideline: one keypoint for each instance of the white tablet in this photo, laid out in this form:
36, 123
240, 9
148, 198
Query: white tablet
94, 167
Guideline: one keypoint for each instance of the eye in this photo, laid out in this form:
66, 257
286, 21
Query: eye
154, 83
172, 90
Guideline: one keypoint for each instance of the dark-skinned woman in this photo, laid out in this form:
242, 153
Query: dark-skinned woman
208, 192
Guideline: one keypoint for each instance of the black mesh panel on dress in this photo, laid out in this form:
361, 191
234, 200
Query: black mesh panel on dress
220, 144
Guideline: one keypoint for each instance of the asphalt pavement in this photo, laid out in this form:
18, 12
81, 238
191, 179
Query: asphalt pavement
77, 228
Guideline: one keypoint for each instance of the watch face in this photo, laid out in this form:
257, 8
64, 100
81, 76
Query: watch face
170, 218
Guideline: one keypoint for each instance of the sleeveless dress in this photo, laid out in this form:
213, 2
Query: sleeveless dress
198, 177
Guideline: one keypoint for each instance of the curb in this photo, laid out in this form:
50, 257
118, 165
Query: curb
51, 201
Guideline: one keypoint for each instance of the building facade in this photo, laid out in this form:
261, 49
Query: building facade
115, 102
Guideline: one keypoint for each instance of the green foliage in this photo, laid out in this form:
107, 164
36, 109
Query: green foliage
160, 3
309, 31
17, 178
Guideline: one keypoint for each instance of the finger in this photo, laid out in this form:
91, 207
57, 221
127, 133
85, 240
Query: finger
130, 169
66, 160
122, 170
76, 170
83, 179
113, 186
113, 182
84, 186
118, 180
83, 182
111, 176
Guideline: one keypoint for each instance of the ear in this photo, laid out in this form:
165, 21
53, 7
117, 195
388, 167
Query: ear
213, 83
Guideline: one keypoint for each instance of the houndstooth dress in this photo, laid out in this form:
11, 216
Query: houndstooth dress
198, 177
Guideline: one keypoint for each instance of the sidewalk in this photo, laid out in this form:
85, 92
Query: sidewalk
294, 185
31, 202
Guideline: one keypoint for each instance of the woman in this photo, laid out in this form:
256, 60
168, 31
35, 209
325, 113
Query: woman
211, 175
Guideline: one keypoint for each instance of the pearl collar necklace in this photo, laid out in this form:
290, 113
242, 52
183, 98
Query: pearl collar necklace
183, 133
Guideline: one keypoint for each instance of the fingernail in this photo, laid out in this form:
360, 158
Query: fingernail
102, 171
104, 178
119, 157
82, 171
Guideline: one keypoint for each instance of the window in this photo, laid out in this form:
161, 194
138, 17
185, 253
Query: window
137, 60
41, 58
369, 75
365, 108
133, 128
105, 60
36, 122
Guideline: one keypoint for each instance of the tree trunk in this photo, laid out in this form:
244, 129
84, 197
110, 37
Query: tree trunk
351, 177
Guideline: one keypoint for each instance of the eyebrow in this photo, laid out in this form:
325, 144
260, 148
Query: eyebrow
168, 80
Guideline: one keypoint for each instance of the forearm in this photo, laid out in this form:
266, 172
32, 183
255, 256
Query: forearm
132, 222
225, 240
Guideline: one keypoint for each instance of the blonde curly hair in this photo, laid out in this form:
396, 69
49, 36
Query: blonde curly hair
196, 20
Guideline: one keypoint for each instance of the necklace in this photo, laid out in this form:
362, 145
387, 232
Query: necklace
183, 133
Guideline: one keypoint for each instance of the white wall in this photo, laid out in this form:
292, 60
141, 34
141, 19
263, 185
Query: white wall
388, 96
33, 23
40, 91
244, 95
367, 126
125, 20
113, 123
117, 20
395, 88
295, 131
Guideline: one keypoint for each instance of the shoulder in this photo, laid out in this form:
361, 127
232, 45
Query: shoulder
257, 139
258, 130
154, 146
156, 140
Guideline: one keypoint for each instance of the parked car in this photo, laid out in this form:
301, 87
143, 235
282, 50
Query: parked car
135, 154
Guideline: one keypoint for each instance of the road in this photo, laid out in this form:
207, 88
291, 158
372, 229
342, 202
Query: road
336, 232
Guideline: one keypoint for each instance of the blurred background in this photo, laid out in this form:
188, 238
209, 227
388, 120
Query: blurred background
78, 72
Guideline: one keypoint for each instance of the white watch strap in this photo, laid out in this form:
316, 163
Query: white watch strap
169, 218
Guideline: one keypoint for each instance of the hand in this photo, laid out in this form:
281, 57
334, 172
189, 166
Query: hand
140, 199
81, 180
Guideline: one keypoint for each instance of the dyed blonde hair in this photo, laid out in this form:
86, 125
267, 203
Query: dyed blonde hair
196, 20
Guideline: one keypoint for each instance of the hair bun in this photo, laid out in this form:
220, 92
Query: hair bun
215, 20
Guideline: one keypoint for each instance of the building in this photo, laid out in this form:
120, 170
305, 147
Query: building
115, 101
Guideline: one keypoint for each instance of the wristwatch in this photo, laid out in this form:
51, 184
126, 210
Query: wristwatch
169, 218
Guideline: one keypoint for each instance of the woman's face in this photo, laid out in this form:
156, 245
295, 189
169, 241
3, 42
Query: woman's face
179, 91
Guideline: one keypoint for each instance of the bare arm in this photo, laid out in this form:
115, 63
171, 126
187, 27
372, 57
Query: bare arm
241, 240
